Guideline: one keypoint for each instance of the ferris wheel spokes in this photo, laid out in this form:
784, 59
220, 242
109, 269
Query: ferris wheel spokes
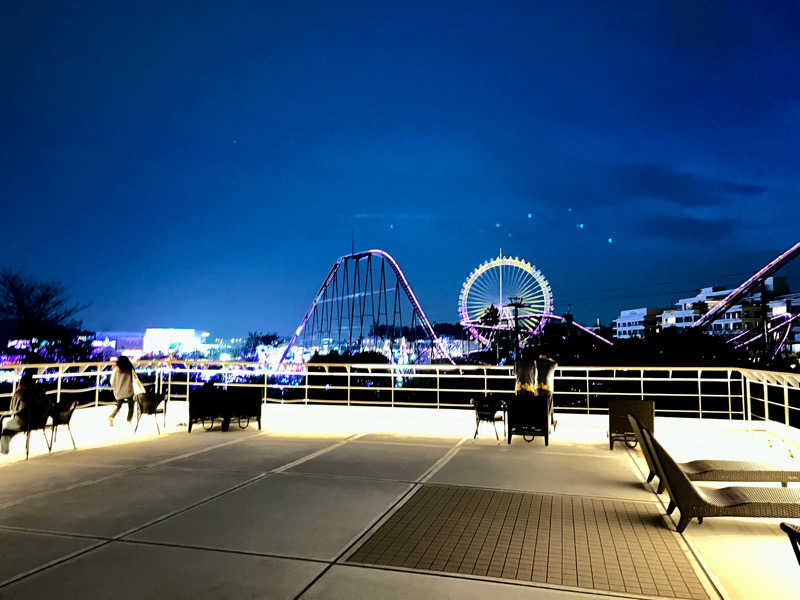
492, 284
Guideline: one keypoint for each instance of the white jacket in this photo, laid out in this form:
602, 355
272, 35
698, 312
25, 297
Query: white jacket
122, 384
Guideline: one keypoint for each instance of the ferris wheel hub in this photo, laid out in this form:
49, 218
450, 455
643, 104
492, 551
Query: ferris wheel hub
504, 285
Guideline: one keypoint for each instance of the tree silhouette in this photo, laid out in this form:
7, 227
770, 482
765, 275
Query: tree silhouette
490, 317
42, 313
254, 339
37, 309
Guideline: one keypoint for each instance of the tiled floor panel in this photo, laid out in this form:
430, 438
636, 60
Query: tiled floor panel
610, 545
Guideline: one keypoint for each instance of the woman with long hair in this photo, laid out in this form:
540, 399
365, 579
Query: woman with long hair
122, 383
26, 402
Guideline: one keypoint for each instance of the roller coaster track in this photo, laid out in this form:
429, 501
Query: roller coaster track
771, 267
542, 316
346, 304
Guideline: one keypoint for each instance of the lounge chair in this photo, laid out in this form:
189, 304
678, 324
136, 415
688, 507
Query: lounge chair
721, 470
793, 531
698, 502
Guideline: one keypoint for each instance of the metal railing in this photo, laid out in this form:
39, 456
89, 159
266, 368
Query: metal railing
728, 393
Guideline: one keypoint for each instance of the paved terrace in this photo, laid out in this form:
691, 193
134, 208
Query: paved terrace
356, 502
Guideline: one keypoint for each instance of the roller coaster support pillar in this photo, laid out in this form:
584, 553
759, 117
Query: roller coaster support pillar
765, 321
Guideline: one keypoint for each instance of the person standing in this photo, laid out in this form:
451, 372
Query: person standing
122, 383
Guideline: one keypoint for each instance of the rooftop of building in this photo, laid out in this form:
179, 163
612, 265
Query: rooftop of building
374, 502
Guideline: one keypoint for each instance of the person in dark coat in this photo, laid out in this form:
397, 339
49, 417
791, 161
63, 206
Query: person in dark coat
27, 404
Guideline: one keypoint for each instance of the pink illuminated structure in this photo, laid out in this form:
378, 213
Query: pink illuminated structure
351, 309
771, 267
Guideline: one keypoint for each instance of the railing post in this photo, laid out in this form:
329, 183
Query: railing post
588, 395
348, 385
97, 387
730, 407
266, 388
785, 404
438, 385
641, 385
391, 382
58, 388
14, 381
305, 383
188, 382
169, 382
766, 400
699, 393
748, 403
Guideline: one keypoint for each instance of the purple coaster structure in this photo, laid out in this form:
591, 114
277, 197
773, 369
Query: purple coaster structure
367, 304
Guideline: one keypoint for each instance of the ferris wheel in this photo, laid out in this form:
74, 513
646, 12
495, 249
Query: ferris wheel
502, 283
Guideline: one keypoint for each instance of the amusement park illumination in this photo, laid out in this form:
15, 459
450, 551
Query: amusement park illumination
492, 284
351, 300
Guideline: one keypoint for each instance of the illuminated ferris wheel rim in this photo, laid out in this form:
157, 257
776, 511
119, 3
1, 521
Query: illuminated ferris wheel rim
531, 286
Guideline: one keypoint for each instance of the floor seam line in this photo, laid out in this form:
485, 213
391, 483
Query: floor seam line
222, 550
52, 563
498, 580
707, 572
403, 496
124, 471
407, 494
54, 533
439, 464
119, 537
247, 482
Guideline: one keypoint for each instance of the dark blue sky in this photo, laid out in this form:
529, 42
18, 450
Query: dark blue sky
203, 165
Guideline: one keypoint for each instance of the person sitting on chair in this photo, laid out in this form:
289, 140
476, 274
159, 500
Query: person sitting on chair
26, 399
545, 380
525, 371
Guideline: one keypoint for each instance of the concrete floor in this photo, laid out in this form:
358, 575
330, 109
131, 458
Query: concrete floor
275, 513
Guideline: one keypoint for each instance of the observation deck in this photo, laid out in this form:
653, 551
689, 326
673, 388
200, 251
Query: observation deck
379, 501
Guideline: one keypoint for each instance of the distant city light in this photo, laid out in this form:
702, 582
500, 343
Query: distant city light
497, 225
579, 226
530, 215
569, 209
610, 240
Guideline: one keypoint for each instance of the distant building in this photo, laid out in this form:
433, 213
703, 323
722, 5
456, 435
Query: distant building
164, 341
744, 316
788, 304
119, 342
740, 317
636, 322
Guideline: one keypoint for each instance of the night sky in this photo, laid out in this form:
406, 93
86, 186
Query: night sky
194, 165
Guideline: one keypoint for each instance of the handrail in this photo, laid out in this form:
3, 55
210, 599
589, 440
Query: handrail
740, 393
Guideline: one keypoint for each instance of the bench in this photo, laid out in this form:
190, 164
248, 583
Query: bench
210, 403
